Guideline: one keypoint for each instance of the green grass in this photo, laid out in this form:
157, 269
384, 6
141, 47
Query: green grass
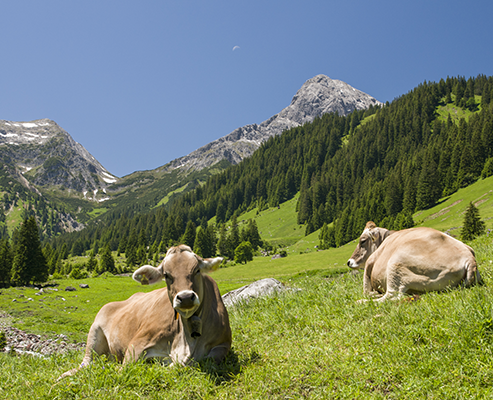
166, 198
456, 112
449, 213
97, 212
277, 225
14, 217
316, 342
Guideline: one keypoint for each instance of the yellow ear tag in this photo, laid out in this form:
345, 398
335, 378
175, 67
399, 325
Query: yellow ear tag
144, 280
176, 315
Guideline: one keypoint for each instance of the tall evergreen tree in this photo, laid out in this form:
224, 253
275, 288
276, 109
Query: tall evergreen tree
190, 232
6, 259
205, 240
29, 264
473, 225
106, 262
428, 190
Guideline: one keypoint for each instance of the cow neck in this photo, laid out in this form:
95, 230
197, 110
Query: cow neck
194, 323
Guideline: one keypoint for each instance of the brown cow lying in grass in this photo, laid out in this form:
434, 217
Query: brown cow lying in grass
186, 320
415, 260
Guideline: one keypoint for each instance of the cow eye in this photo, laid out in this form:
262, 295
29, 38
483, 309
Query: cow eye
168, 277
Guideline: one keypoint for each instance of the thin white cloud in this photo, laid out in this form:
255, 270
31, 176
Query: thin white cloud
236, 47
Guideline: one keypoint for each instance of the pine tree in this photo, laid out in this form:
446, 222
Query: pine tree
6, 259
234, 235
250, 234
189, 236
428, 190
106, 262
92, 262
205, 241
29, 263
473, 225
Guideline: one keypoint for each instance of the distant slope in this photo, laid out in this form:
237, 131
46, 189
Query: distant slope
379, 164
318, 96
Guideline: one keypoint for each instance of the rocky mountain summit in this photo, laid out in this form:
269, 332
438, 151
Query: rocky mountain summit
318, 96
40, 153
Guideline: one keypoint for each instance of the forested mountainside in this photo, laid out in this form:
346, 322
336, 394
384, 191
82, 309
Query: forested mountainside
318, 95
380, 164
47, 174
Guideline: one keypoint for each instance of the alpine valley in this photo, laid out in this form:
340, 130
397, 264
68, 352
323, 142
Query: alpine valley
45, 172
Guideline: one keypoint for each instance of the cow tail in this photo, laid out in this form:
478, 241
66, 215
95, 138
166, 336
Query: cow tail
472, 274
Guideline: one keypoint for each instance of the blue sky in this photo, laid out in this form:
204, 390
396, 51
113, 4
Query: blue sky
140, 83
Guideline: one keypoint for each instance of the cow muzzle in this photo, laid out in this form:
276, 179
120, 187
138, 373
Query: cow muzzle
186, 303
352, 264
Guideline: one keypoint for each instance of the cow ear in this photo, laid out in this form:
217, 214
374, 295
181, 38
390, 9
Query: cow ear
210, 264
148, 275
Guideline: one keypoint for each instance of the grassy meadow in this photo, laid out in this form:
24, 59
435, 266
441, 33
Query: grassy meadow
314, 341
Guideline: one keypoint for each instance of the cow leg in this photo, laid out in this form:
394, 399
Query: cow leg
96, 343
367, 288
134, 351
219, 352
396, 282
472, 275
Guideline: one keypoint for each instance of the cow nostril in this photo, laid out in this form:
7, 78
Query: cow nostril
348, 263
192, 297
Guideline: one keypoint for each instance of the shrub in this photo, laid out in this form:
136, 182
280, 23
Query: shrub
244, 253
3, 340
77, 273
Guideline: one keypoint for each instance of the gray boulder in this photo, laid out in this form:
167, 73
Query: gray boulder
263, 287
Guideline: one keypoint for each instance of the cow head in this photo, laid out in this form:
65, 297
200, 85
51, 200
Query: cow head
371, 238
182, 270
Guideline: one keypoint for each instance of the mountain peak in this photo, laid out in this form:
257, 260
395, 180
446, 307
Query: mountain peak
47, 155
317, 96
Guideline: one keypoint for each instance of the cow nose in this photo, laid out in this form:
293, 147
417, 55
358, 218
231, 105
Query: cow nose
349, 263
187, 296
186, 299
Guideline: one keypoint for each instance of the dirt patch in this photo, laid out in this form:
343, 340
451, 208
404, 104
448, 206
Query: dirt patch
443, 211
478, 203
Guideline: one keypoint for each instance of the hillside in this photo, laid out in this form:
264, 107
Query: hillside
318, 96
380, 164
43, 164
46, 173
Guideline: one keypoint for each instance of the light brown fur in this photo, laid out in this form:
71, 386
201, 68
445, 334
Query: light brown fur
157, 324
411, 261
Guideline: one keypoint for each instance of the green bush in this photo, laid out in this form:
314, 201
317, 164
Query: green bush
77, 273
3, 340
243, 253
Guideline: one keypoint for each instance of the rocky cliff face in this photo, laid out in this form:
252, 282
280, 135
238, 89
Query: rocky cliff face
41, 153
318, 96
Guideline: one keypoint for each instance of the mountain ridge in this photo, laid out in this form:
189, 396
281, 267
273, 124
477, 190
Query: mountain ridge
44, 154
317, 96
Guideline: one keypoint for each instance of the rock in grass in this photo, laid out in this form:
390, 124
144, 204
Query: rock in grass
263, 287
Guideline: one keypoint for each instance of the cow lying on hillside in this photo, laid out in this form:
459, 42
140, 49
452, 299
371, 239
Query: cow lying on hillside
186, 320
411, 261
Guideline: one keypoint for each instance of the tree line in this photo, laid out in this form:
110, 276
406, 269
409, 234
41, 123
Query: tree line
380, 164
